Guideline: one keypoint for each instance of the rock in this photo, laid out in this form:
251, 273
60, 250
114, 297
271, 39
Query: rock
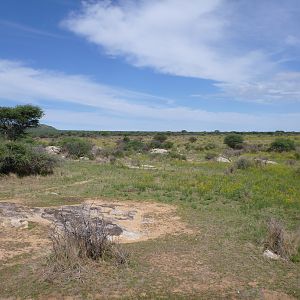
148, 167
68, 213
223, 159
261, 161
145, 167
131, 235
19, 223
83, 158
269, 254
159, 151
271, 162
53, 149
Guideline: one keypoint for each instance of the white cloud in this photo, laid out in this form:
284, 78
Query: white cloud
235, 43
28, 29
282, 87
120, 109
186, 38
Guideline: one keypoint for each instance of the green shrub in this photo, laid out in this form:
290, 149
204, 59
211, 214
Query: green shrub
192, 139
243, 163
135, 145
76, 147
160, 141
210, 155
126, 139
118, 153
176, 155
161, 137
199, 148
161, 145
280, 145
167, 145
210, 146
234, 141
24, 160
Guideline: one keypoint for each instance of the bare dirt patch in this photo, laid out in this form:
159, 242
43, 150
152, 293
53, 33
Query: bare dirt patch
273, 295
191, 274
129, 222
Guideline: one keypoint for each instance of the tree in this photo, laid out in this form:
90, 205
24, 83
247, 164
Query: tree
15, 120
234, 141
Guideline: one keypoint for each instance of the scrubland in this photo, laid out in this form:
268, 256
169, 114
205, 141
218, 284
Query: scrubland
226, 207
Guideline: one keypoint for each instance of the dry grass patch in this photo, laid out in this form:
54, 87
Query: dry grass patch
80, 238
280, 241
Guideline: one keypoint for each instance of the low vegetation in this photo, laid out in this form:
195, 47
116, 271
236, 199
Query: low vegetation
23, 160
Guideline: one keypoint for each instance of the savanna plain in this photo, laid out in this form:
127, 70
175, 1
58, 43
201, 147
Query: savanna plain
199, 216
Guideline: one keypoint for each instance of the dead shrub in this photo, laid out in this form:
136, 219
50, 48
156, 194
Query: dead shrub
233, 152
80, 239
280, 242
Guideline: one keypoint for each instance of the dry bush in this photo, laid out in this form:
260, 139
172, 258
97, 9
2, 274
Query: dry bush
232, 152
254, 148
79, 239
279, 241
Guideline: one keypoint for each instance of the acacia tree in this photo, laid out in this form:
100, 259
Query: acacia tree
15, 120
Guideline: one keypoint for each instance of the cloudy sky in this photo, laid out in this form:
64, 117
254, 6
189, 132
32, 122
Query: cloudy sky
154, 65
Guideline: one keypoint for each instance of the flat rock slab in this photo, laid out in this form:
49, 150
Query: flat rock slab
126, 221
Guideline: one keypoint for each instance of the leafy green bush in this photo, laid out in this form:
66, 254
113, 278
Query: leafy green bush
210, 155
176, 155
160, 141
243, 163
161, 137
234, 141
135, 145
210, 146
167, 145
126, 139
76, 147
280, 145
24, 160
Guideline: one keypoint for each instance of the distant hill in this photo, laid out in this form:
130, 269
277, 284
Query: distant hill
43, 130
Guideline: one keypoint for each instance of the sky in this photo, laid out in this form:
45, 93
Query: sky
196, 65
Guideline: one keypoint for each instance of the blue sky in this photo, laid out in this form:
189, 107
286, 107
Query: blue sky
154, 65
